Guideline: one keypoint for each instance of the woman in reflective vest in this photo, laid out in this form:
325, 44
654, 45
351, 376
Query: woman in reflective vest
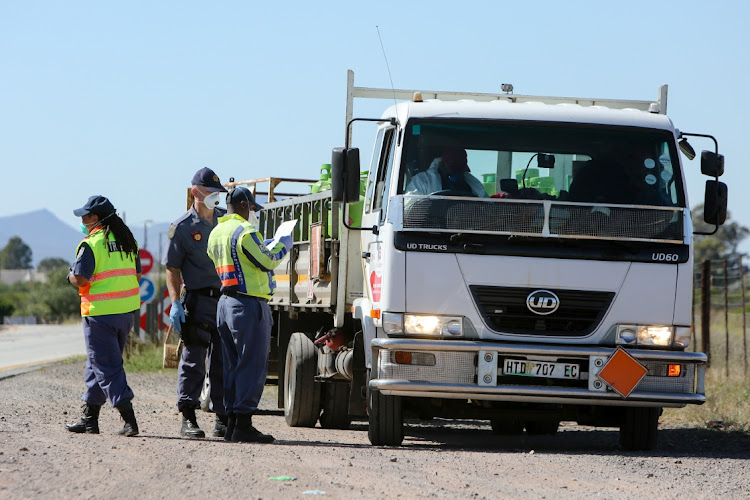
106, 271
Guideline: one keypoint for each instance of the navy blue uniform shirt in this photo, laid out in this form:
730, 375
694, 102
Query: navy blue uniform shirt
186, 250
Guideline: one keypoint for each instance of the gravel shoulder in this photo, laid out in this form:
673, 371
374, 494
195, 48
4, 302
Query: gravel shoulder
39, 458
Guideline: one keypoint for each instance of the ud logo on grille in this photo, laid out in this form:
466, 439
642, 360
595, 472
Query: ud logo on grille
542, 302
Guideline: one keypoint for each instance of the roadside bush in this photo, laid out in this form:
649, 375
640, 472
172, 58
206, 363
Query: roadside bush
54, 301
6, 307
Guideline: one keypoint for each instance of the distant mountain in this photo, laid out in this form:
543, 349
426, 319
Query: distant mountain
48, 236
43, 232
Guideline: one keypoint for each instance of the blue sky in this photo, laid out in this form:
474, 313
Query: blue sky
129, 99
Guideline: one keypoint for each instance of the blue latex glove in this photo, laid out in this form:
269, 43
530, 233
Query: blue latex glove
177, 315
287, 241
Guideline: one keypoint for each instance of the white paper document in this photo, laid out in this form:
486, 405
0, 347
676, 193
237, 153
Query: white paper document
285, 229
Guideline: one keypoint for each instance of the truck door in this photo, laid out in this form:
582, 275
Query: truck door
374, 213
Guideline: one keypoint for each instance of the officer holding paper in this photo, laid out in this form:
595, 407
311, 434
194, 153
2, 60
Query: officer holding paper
244, 264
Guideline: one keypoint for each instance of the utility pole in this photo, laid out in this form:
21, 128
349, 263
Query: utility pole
145, 232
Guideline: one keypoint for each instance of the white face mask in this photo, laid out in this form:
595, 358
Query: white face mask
252, 219
211, 200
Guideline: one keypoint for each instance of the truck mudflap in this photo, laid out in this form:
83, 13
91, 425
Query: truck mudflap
481, 370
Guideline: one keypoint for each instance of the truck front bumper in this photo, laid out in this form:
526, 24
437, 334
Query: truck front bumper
449, 369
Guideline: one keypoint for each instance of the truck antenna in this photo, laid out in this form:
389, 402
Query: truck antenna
386, 63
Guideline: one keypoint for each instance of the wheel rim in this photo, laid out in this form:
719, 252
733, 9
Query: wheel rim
287, 377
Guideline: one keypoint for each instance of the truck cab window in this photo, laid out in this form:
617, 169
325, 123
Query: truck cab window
372, 177
596, 164
384, 168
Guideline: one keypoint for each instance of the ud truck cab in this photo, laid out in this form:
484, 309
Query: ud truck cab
522, 260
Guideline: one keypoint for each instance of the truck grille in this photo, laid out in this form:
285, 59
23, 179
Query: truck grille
504, 310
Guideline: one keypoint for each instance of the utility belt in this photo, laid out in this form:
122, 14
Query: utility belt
207, 292
239, 295
196, 332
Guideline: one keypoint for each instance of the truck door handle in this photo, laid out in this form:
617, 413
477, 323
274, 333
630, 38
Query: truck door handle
365, 255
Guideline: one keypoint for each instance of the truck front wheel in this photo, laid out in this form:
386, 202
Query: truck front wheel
639, 427
301, 392
386, 419
506, 426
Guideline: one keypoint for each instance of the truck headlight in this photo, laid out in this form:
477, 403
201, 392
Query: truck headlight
654, 335
423, 324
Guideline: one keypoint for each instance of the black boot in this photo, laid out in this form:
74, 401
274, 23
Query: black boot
128, 415
244, 432
190, 424
89, 422
231, 420
220, 427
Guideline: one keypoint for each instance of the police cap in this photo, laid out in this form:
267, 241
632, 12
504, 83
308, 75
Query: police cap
97, 205
207, 178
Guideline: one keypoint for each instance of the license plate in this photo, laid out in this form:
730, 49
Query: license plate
540, 369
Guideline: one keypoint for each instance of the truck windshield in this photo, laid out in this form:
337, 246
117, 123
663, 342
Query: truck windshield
565, 162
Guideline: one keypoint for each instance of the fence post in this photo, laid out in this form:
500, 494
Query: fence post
726, 318
744, 329
693, 338
706, 309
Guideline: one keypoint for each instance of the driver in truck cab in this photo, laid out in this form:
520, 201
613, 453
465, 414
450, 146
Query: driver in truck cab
448, 172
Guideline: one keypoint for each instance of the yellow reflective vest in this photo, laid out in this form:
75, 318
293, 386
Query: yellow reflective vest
113, 288
242, 261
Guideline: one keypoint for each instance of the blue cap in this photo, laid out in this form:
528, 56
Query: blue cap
241, 193
207, 178
97, 205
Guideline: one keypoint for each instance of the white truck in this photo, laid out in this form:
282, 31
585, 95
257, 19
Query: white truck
563, 292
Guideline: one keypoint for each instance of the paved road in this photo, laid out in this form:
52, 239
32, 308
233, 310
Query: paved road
25, 347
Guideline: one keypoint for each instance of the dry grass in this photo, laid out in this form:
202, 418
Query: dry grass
146, 357
727, 390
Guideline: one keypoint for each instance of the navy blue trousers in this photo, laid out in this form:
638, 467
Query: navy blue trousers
105, 338
245, 328
192, 368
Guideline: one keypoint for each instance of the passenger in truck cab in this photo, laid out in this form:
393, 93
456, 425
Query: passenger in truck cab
603, 180
450, 173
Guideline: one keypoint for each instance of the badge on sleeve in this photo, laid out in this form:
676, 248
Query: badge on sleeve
172, 229
197, 236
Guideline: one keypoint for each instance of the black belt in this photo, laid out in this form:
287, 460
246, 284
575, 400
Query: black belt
206, 292
239, 295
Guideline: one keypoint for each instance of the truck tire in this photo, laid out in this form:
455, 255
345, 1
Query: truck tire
639, 427
335, 406
386, 419
504, 426
542, 427
301, 392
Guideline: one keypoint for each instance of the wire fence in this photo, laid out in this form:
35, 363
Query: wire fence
720, 314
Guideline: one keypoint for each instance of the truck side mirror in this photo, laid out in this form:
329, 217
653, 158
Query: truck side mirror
712, 164
715, 203
345, 174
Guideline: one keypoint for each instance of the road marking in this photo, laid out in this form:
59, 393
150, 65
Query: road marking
40, 362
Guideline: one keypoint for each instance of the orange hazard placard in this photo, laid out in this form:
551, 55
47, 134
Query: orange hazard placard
622, 372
